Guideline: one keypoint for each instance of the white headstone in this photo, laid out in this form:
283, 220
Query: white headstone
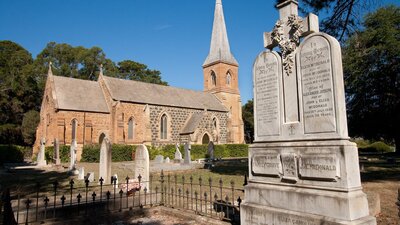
142, 165
57, 151
116, 179
72, 151
105, 160
187, 153
178, 154
41, 160
302, 166
90, 176
167, 160
159, 159
81, 175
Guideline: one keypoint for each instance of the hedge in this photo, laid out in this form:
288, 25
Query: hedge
13, 153
64, 153
91, 153
376, 147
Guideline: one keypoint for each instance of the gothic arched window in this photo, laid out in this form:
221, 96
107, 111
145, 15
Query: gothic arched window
213, 78
228, 78
164, 124
131, 128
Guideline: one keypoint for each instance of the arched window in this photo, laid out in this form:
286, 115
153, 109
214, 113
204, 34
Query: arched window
215, 123
164, 129
74, 129
228, 79
131, 128
213, 78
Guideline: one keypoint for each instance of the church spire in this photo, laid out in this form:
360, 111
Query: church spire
219, 49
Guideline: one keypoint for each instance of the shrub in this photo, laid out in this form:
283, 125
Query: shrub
376, 147
11, 154
10, 133
91, 153
237, 150
122, 153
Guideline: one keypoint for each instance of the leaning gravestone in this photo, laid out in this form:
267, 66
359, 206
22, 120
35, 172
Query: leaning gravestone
105, 160
187, 153
90, 177
41, 161
303, 168
142, 165
178, 154
81, 175
57, 151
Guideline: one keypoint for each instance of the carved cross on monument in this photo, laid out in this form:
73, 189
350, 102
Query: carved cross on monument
286, 34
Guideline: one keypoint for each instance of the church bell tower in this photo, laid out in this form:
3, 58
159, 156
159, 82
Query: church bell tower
221, 76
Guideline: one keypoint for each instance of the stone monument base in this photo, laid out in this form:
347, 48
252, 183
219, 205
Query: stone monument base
253, 214
305, 182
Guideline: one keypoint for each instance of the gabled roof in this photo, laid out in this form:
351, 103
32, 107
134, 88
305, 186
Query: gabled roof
219, 49
154, 94
79, 95
192, 123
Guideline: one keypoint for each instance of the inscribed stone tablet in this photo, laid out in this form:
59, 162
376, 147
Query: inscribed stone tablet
266, 91
319, 166
289, 166
266, 164
317, 86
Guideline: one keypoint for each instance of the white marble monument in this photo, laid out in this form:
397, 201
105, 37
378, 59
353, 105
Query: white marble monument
142, 165
41, 160
187, 159
302, 167
178, 154
72, 162
105, 161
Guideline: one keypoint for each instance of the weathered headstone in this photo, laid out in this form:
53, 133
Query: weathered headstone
303, 169
187, 153
81, 175
41, 160
105, 160
57, 151
90, 176
167, 160
210, 150
159, 159
142, 165
72, 150
178, 154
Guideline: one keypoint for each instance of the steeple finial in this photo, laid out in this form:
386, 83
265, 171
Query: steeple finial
219, 49
50, 72
101, 70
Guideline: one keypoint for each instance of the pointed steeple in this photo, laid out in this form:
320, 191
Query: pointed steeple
219, 49
50, 72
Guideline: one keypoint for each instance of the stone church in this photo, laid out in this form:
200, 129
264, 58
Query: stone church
133, 112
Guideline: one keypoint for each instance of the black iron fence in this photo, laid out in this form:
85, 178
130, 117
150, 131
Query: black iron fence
205, 197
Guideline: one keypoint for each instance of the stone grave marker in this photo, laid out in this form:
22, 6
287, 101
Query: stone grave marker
105, 160
178, 154
90, 176
72, 150
159, 159
81, 175
57, 151
302, 167
116, 179
167, 160
41, 160
187, 153
142, 165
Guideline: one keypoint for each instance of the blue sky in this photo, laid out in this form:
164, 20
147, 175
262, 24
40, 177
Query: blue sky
172, 36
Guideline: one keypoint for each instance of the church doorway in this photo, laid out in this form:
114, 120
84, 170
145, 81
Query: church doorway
205, 140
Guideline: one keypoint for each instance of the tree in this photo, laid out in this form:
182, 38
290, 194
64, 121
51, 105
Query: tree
131, 70
29, 125
343, 15
248, 120
371, 60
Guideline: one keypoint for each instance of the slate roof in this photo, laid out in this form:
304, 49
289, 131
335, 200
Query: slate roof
79, 95
154, 94
192, 123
